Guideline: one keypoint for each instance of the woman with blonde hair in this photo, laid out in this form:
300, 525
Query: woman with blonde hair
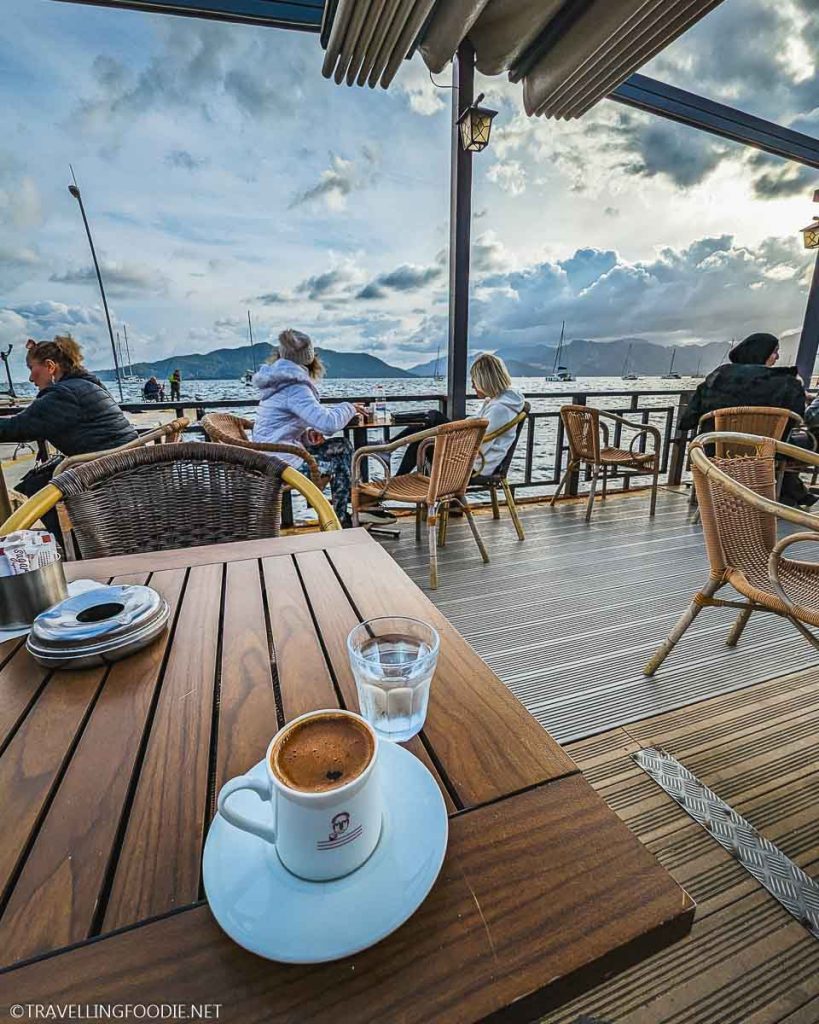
501, 403
290, 412
72, 411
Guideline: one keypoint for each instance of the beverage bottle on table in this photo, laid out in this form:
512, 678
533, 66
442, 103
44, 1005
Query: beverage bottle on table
380, 405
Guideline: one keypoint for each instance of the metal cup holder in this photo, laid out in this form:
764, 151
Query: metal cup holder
23, 597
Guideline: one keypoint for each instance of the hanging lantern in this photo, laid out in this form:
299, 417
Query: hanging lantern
475, 125
810, 235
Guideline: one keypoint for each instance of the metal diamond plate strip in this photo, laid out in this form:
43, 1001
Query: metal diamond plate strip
784, 880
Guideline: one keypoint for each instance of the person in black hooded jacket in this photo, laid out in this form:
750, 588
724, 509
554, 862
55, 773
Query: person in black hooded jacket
752, 378
72, 411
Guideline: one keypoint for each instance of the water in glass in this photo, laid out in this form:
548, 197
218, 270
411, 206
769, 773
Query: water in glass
393, 674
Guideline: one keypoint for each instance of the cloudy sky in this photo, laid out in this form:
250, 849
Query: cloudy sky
221, 172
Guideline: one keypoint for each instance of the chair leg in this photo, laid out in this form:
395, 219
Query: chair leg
684, 621
471, 520
443, 523
495, 510
561, 485
592, 489
739, 625
418, 524
432, 533
605, 482
513, 509
654, 484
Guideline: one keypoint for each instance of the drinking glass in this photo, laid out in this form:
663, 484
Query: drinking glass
393, 659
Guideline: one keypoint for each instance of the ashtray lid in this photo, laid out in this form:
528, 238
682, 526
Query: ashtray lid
104, 614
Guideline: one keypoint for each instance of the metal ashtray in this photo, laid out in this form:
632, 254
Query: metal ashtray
23, 597
98, 626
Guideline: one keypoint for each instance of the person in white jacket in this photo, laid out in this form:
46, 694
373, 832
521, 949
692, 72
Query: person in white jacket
501, 403
290, 412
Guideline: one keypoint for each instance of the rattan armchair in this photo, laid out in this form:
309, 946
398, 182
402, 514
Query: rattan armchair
588, 438
167, 433
225, 428
455, 447
172, 496
491, 481
739, 518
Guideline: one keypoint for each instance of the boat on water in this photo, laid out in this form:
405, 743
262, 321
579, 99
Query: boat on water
247, 376
437, 375
671, 375
628, 373
560, 374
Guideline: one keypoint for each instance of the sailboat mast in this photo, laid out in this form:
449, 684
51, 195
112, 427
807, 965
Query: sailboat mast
626, 360
559, 348
250, 334
128, 350
673, 354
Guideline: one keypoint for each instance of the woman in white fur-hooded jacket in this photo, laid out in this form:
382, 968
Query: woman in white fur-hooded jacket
290, 412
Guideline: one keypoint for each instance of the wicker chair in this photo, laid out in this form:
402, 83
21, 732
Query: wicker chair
225, 428
492, 481
759, 420
584, 426
455, 447
167, 433
739, 516
172, 496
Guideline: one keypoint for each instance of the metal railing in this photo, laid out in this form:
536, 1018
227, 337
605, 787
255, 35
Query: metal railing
541, 455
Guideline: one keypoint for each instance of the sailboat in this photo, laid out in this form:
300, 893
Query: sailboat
697, 373
247, 376
671, 375
628, 374
130, 377
437, 375
560, 373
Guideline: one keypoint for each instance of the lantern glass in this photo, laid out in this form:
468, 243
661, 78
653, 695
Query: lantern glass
810, 235
476, 127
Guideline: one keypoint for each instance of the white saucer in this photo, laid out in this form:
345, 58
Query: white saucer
270, 912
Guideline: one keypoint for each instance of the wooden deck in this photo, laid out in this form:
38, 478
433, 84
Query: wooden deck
567, 618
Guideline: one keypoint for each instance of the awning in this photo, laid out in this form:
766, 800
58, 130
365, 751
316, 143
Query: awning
569, 54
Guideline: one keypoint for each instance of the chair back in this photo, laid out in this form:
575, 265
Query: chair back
453, 459
763, 421
168, 433
582, 426
225, 428
517, 425
172, 496
738, 536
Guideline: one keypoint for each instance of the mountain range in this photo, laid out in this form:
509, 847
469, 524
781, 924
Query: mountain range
600, 358
583, 357
231, 363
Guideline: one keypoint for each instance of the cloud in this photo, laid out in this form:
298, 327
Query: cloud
710, 289
118, 278
184, 160
331, 284
509, 175
44, 319
340, 179
414, 81
270, 298
683, 155
406, 278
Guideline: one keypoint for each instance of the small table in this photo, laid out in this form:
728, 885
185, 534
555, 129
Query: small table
108, 778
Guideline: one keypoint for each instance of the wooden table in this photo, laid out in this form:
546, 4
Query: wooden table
107, 783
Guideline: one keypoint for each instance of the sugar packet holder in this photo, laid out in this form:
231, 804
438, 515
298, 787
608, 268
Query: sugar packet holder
26, 550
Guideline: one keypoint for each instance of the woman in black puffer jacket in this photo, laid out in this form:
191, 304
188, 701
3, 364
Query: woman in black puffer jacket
72, 411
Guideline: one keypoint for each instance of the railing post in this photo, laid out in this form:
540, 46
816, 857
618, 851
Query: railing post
677, 459
574, 478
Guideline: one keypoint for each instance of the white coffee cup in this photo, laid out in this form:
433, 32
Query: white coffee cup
320, 835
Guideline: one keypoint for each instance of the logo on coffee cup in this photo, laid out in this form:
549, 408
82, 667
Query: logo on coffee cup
340, 832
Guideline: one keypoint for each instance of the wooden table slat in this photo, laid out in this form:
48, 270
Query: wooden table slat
305, 683
507, 923
247, 704
486, 742
20, 679
159, 864
57, 894
336, 617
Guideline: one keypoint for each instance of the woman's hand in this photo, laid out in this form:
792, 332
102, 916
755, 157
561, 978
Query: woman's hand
314, 437
362, 410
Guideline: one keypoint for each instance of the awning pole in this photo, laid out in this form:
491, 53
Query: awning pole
809, 342
460, 223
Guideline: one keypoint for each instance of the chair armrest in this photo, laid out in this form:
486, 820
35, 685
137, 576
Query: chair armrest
423, 448
292, 449
640, 428
774, 560
501, 430
379, 450
24, 517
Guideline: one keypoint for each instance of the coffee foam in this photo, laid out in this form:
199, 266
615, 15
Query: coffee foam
322, 753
